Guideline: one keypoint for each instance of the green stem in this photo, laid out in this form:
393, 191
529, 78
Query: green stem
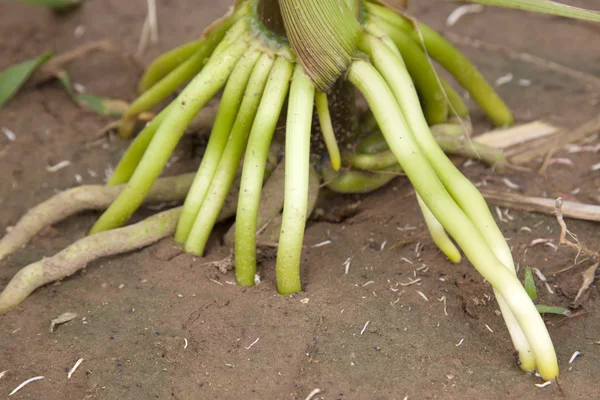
421, 70
322, 107
453, 61
254, 167
195, 96
297, 150
230, 161
438, 233
428, 186
175, 79
226, 115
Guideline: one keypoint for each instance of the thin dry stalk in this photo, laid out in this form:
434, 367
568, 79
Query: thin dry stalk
570, 209
516, 135
558, 141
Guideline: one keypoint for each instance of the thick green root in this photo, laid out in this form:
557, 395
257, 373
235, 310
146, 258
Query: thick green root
384, 101
261, 135
449, 57
438, 233
189, 102
322, 106
297, 150
226, 115
470, 201
270, 206
230, 160
421, 70
183, 72
357, 182
169, 61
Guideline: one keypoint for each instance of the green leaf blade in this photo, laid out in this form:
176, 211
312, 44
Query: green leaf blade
543, 309
97, 104
530, 284
546, 7
55, 4
101, 105
15, 76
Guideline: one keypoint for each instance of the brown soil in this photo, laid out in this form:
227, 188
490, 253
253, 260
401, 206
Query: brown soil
137, 311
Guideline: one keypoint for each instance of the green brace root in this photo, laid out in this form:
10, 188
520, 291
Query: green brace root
175, 79
135, 152
230, 161
451, 59
226, 115
169, 61
322, 107
271, 229
421, 70
457, 105
188, 103
372, 153
297, 150
460, 227
253, 170
470, 200
438, 233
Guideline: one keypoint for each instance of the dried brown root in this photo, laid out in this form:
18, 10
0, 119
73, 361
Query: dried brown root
569, 209
570, 240
80, 253
97, 197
